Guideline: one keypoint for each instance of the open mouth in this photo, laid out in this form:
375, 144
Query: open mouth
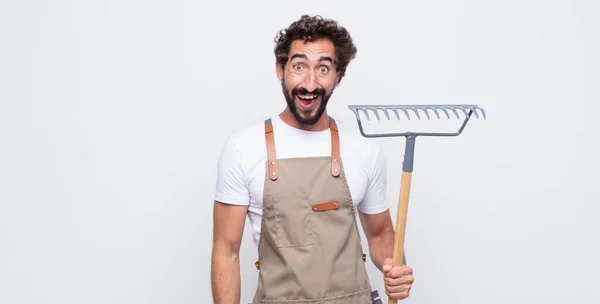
307, 100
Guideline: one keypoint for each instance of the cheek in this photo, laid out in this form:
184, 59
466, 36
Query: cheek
291, 82
328, 84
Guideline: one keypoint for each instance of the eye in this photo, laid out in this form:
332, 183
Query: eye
323, 69
298, 67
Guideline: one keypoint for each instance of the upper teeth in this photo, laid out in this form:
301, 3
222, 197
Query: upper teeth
306, 96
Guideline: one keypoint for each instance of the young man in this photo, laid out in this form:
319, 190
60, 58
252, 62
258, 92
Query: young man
302, 179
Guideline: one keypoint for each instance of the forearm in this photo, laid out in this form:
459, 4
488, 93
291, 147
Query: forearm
225, 277
381, 247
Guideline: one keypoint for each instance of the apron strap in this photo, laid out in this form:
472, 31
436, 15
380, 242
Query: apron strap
336, 166
335, 148
271, 155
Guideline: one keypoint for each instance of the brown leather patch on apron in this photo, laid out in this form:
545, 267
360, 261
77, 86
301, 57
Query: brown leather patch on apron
332, 205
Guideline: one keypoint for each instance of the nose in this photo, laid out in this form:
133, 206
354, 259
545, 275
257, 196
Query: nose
310, 81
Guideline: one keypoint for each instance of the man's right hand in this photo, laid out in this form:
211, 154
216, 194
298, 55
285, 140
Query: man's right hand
228, 227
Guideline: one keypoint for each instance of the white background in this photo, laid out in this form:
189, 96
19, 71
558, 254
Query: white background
113, 113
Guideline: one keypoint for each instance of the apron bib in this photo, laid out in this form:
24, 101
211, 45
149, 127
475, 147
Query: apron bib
310, 249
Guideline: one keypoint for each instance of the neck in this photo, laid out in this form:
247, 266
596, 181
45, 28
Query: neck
321, 125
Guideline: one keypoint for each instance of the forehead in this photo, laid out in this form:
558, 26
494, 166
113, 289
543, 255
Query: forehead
313, 49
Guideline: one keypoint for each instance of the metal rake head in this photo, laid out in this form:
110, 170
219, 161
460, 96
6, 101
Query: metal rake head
418, 111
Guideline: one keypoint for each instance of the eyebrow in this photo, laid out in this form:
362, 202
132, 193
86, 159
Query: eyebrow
298, 56
322, 58
326, 58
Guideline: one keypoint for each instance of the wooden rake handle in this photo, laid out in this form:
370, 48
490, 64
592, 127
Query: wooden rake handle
402, 213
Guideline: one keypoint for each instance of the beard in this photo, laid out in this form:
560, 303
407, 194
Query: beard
307, 118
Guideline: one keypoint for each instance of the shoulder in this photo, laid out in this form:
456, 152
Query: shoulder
243, 149
235, 165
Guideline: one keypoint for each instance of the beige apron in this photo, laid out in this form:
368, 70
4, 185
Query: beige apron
309, 249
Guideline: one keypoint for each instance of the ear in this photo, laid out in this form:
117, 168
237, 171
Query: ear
279, 70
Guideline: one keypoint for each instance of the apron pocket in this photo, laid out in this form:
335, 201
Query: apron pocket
293, 217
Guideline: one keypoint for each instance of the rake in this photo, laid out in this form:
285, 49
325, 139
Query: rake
407, 166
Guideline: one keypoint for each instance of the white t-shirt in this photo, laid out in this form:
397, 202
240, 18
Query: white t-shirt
241, 166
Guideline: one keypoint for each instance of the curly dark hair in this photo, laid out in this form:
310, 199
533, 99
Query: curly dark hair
309, 28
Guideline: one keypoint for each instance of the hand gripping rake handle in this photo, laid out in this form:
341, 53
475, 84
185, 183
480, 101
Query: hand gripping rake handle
407, 166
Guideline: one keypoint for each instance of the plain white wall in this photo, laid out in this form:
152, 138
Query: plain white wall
113, 114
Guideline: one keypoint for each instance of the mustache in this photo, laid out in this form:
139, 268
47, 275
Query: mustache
318, 91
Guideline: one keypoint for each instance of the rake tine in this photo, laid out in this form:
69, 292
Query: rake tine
463, 110
405, 113
366, 111
375, 113
355, 112
416, 113
384, 112
483, 113
395, 112
434, 111
426, 113
455, 113
445, 111
474, 110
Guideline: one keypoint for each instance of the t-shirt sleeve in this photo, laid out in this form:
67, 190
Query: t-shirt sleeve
231, 183
375, 199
